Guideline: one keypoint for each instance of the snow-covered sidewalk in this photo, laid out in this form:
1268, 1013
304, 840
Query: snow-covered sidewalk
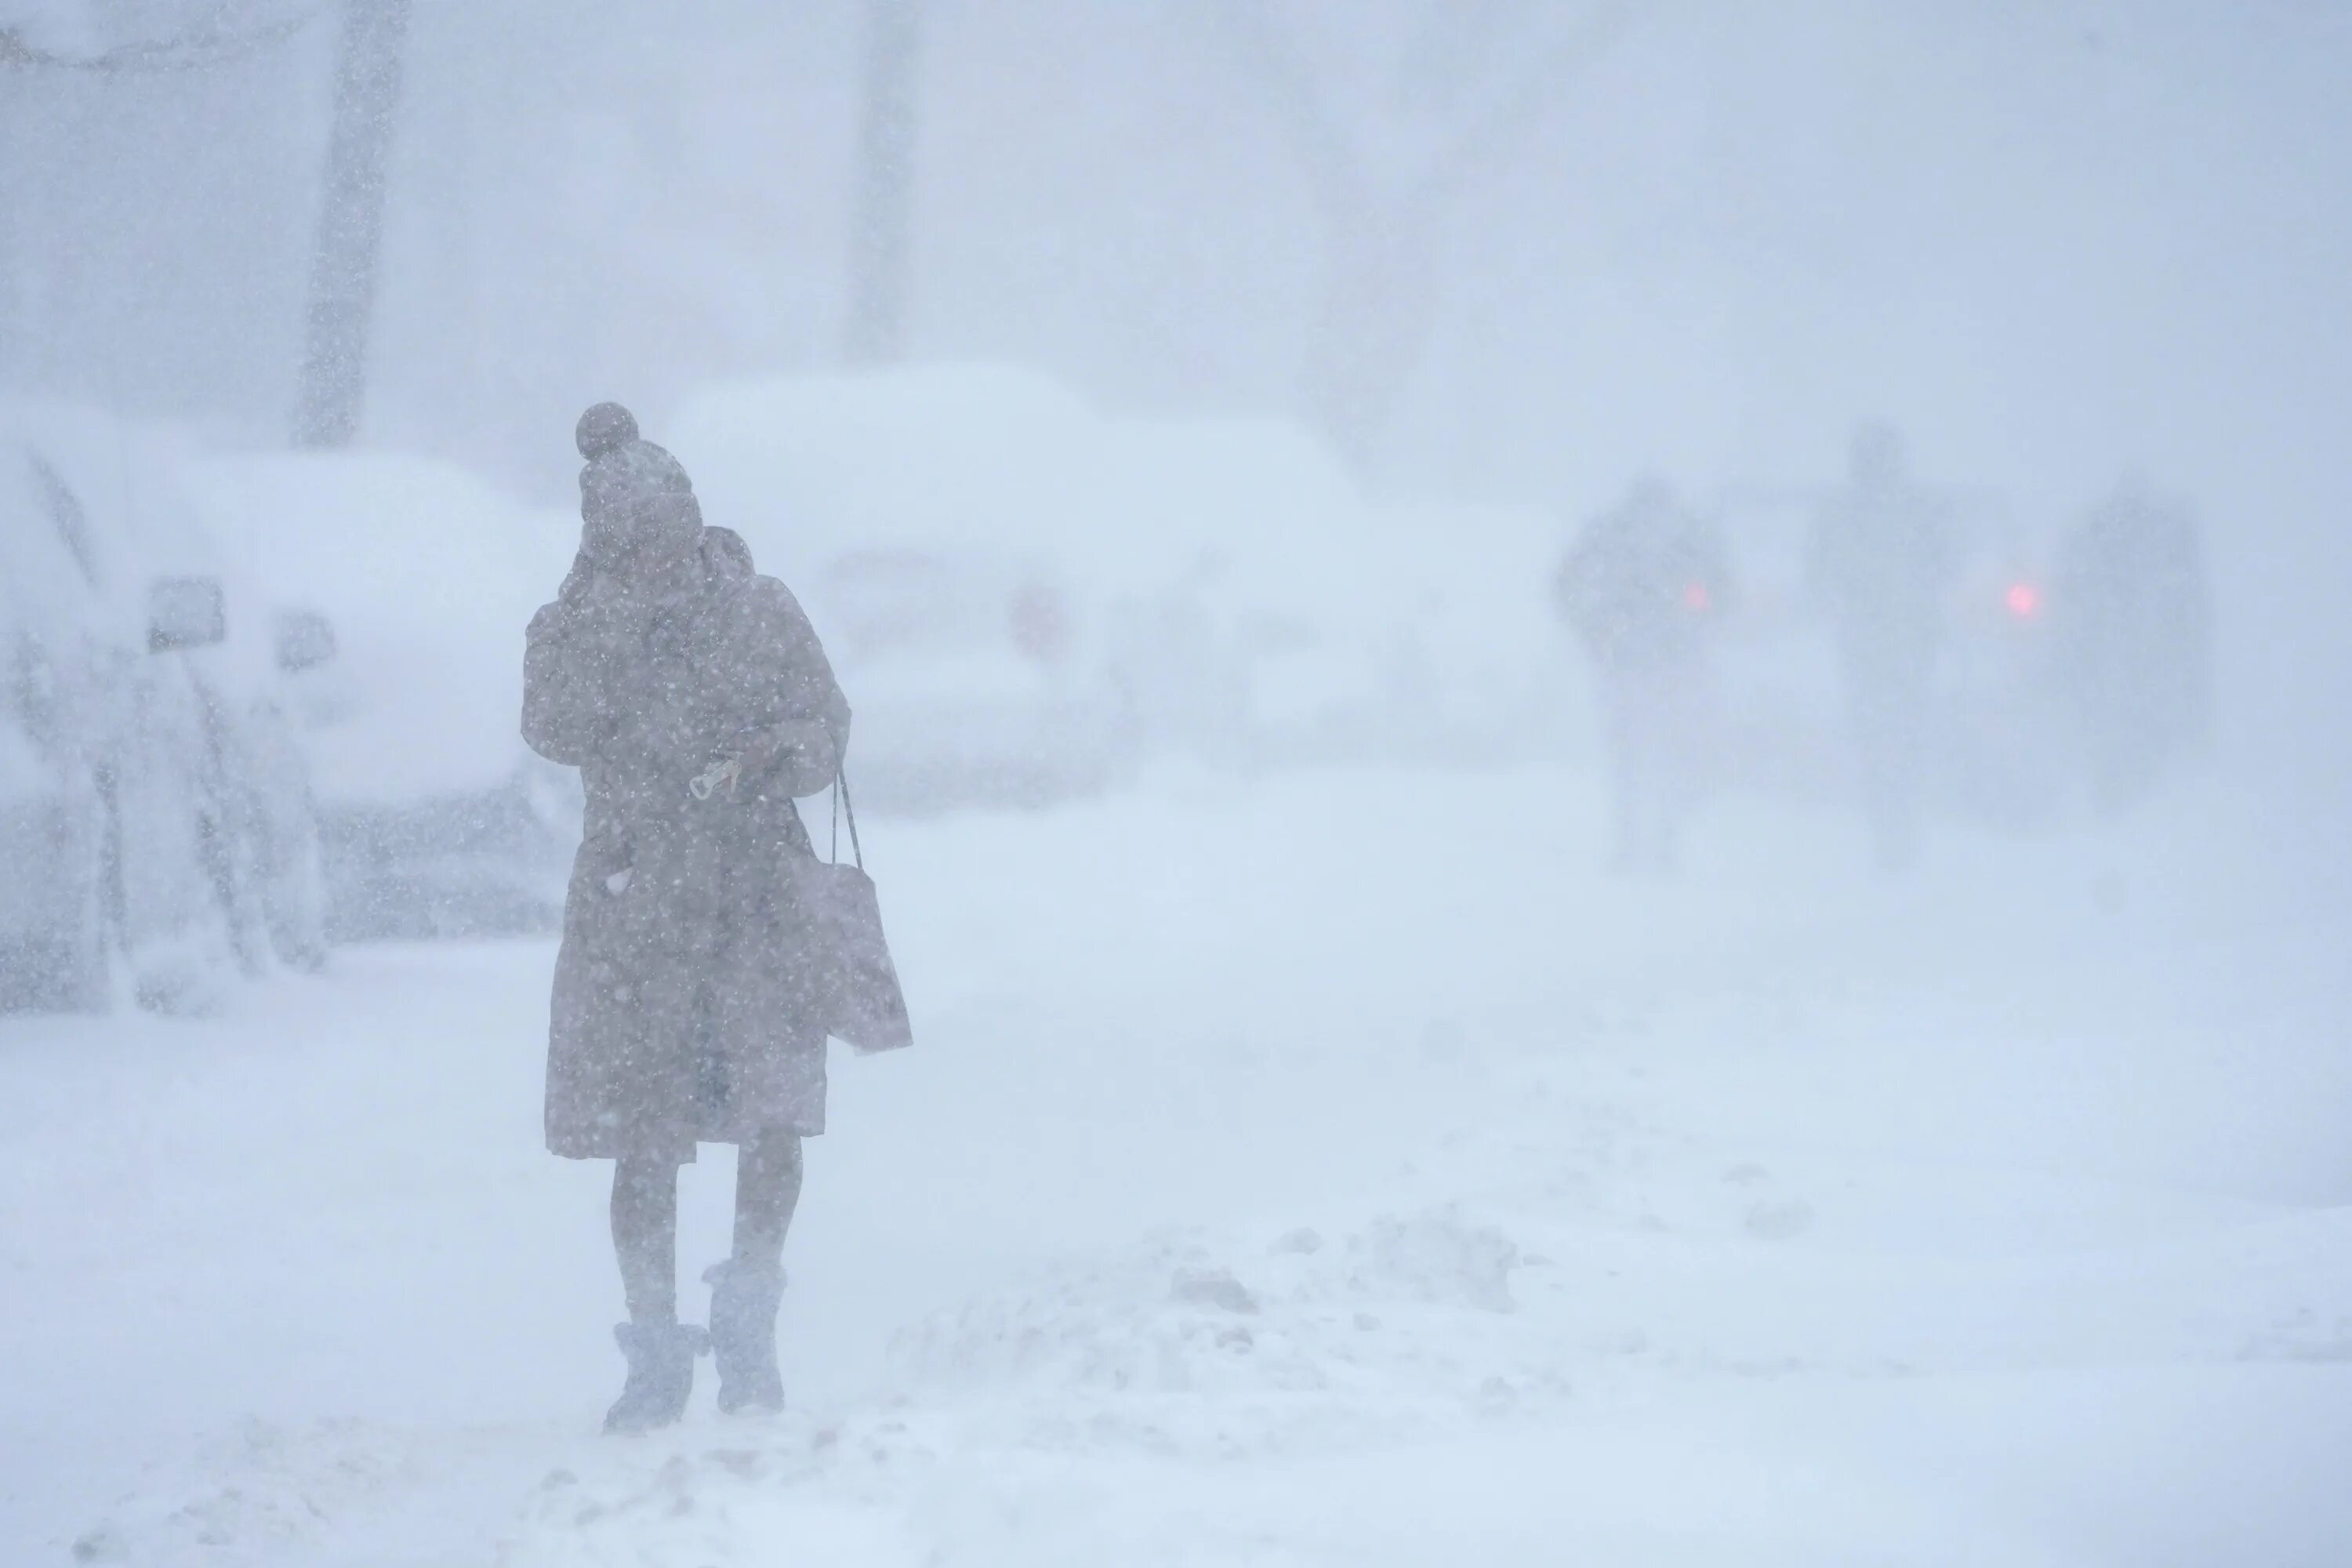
1329, 1170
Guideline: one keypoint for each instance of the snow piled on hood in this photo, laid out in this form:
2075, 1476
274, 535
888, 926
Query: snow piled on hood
136, 526
957, 458
429, 577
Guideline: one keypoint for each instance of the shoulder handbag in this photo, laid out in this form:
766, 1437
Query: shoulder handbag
859, 996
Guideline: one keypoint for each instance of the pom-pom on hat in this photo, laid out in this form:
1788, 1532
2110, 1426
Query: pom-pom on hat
603, 429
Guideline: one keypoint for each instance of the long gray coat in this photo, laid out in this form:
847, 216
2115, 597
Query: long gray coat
682, 1005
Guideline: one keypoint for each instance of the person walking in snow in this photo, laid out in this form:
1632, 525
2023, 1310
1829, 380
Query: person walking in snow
2134, 623
692, 694
1642, 588
1881, 560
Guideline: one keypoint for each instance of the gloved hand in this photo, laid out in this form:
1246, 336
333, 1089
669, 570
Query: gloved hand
749, 757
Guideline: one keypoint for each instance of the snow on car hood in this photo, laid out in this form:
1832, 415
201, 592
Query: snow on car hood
429, 577
103, 518
954, 458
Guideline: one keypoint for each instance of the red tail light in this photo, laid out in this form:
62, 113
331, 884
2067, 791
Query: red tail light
2024, 600
1697, 599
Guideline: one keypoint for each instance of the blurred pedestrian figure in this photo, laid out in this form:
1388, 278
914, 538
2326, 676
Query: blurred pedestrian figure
694, 697
1640, 588
2133, 618
1881, 562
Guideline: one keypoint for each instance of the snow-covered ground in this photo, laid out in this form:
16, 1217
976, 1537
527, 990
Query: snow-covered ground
1328, 1168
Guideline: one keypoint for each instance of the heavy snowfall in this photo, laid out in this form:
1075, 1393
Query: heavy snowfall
1604, 746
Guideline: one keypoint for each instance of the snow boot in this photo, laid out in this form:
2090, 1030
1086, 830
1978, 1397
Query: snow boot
743, 1302
661, 1374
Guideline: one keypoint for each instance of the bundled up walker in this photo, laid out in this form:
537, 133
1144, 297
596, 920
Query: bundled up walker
708, 953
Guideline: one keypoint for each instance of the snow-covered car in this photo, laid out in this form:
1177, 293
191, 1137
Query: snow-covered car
1267, 563
436, 819
155, 811
1063, 594
931, 522
966, 684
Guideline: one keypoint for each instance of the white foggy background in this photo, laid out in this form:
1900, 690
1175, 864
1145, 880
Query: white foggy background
2053, 240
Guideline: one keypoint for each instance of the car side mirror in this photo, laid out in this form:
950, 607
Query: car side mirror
184, 612
305, 640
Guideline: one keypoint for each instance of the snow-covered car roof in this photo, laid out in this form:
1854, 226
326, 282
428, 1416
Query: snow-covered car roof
957, 458
428, 576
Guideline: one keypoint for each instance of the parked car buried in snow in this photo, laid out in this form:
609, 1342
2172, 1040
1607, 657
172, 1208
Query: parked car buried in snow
1058, 596
930, 523
155, 811
404, 584
968, 678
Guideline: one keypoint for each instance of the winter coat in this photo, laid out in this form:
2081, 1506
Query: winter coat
1642, 586
682, 1004
2133, 618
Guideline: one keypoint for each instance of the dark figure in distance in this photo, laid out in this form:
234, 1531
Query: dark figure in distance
1642, 588
1880, 563
2133, 618
693, 696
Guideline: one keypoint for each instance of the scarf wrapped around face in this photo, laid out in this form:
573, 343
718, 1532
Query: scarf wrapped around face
635, 503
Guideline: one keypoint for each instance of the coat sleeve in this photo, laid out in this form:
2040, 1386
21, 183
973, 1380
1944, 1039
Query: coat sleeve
796, 689
561, 716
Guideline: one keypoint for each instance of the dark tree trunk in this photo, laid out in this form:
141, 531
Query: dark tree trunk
351, 223
882, 233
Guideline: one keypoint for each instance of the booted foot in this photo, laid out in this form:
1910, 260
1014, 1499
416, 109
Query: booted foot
661, 1374
744, 1302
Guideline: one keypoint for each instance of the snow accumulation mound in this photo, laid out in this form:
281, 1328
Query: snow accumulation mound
1718, 1226
977, 457
808, 467
960, 459
428, 576
1385, 1311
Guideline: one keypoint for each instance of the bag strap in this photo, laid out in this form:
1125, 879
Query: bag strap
842, 806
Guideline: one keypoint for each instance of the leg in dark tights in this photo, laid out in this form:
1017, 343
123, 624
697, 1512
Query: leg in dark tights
747, 1288
644, 1238
767, 1190
661, 1353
